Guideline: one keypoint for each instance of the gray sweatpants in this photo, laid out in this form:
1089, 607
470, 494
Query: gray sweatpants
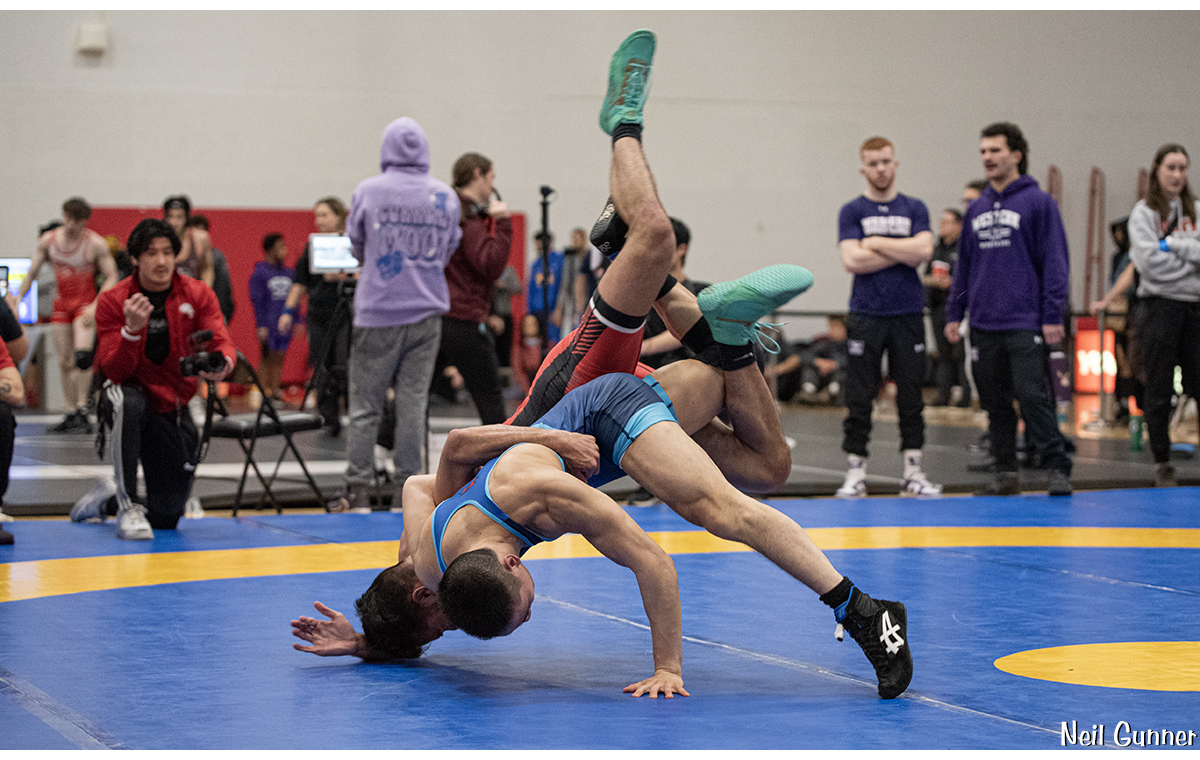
401, 357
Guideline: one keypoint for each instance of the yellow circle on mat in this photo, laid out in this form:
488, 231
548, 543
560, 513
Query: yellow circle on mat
1147, 665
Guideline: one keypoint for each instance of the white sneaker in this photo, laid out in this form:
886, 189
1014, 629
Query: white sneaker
193, 510
93, 505
918, 485
855, 486
5, 518
132, 524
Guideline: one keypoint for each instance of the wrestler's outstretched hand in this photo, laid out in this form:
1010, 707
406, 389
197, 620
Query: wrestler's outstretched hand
329, 638
664, 681
580, 454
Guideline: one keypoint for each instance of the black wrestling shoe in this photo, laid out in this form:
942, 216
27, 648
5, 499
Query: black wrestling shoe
881, 628
609, 231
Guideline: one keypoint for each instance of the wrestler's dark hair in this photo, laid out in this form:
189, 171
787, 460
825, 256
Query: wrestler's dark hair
269, 241
77, 208
178, 201
1155, 198
337, 207
145, 231
199, 221
392, 620
956, 213
1014, 137
478, 595
464, 168
683, 235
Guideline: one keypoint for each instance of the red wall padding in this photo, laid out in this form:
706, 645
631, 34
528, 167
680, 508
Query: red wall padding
238, 232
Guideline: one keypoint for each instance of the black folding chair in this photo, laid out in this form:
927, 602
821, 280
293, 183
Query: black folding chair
248, 427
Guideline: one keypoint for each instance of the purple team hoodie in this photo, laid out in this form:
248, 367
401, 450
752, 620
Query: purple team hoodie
403, 224
1013, 270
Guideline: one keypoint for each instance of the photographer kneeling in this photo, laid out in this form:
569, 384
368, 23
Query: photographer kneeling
148, 327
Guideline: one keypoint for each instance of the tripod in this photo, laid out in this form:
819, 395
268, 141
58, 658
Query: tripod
544, 241
325, 376
332, 379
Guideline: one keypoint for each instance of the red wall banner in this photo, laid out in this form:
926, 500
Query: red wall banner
238, 233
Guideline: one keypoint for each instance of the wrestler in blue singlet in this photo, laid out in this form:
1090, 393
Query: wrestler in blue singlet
476, 493
614, 409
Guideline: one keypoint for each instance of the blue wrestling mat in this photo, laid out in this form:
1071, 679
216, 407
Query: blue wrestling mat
1025, 614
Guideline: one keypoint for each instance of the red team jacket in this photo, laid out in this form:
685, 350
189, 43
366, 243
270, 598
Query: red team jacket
191, 307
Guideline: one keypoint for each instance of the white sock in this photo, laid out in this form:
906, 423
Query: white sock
912, 462
858, 465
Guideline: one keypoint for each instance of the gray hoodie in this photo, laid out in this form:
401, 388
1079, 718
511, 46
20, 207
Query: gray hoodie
1174, 273
403, 224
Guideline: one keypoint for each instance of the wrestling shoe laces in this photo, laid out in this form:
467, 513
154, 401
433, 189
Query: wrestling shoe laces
733, 309
880, 627
628, 81
768, 344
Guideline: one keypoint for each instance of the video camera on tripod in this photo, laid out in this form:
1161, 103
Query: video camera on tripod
201, 361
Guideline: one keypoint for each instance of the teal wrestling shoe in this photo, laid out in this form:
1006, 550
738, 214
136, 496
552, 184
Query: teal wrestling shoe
628, 81
733, 308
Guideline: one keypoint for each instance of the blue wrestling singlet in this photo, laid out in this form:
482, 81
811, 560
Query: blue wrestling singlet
614, 409
477, 494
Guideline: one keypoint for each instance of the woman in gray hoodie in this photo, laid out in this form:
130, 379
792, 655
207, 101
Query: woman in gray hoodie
1165, 249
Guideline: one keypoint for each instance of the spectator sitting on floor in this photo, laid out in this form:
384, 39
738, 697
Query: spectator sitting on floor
815, 367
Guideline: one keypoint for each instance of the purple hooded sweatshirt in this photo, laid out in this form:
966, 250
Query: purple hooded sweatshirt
1013, 269
404, 225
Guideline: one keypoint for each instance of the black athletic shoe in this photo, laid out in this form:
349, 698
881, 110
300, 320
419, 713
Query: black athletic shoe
881, 628
6, 538
69, 424
1004, 484
1059, 484
609, 231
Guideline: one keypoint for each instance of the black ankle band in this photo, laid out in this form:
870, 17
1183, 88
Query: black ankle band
736, 357
627, 130
699, 337
839, 595
620, 319
666, 288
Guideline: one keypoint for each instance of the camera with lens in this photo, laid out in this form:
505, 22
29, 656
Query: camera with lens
201, 361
